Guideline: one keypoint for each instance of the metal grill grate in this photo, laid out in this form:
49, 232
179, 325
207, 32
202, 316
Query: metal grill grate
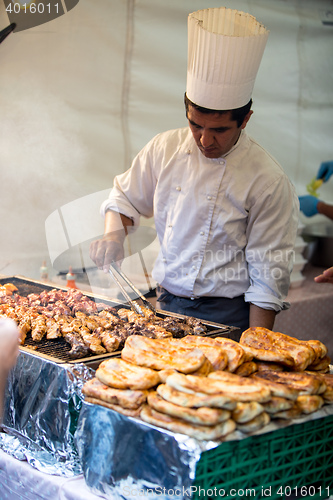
58, 350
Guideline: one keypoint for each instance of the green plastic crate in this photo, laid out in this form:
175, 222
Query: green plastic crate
293, 462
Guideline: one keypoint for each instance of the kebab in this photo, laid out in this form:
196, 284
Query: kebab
88, 327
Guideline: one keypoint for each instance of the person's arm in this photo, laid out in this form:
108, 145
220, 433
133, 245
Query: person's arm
325, 277
272, 230
310, 206
110, 248
262, 317
132, 194
325, 209
9, 340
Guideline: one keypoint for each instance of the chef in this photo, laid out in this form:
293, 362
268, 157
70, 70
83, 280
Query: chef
225, 213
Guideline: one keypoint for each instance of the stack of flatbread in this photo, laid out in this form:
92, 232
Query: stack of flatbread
293, 393
294, 354
208, 407
208, 387
120, 386
123, 384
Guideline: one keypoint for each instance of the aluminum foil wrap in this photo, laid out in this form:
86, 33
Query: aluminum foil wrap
42, 405
125, 458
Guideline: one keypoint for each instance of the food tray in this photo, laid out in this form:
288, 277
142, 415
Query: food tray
292, 462
57, 350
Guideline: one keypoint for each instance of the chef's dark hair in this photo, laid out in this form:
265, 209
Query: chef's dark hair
237, 114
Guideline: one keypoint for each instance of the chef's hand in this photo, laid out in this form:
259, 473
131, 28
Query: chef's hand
325, 170
308, 205
325, 277
107, 250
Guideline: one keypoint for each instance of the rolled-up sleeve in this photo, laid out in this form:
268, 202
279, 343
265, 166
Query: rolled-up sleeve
271, 234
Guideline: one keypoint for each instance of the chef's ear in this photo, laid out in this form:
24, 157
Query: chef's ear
246, 119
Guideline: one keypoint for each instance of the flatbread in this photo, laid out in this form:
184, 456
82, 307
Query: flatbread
244, 412
277, 404
309, 403
161, 354
290, 414
200, 432
235, 353
319, 348
282, 346
123, 397
255, 424
118, 408
199, 416
322, 383
267, 365
246, 369
268, 354
276, 388
303, 382
225, 383
196, 400
328, 394
164, 374
204, 369
321, 365
120, 374
211, 349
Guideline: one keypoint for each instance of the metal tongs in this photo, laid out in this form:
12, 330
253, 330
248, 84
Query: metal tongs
115, 272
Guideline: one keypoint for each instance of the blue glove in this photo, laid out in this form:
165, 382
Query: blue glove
308, 205
325, 170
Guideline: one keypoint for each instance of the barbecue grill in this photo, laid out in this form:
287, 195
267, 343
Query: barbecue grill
57, 350
44, 387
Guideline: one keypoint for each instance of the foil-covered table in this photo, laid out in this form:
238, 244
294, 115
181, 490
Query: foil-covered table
20, 481
48, 424
42, 404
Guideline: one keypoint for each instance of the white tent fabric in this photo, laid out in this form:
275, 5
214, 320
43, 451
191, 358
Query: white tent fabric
81, 94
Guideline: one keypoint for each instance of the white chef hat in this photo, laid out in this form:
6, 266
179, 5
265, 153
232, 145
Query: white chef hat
225, 48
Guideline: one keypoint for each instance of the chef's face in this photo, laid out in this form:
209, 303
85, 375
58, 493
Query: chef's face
215, 134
